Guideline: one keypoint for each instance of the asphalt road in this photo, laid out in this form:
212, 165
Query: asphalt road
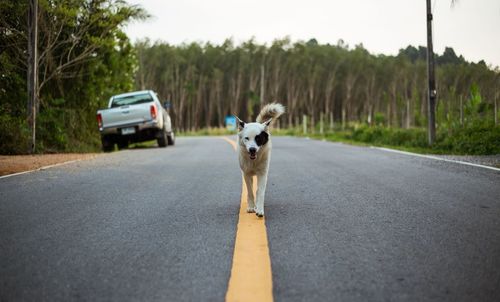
344, 223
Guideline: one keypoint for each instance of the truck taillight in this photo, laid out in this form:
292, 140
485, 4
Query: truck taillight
153, 112
99, 120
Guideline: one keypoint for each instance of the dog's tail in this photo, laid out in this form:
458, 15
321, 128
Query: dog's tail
270, 111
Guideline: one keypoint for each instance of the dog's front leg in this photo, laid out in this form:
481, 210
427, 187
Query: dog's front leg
261, 191
251, 198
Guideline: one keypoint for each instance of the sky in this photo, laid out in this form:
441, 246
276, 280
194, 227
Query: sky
471, 27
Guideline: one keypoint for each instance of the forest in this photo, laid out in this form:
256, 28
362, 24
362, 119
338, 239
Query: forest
85, 57
205, 82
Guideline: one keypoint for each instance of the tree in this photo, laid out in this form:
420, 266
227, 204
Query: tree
76, 39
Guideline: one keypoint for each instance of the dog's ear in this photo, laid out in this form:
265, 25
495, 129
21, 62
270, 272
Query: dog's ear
241, 124
267, 123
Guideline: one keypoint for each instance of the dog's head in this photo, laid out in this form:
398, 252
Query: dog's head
253, 136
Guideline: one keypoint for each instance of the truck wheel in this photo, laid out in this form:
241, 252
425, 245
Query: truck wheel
171, 138
122, 144
162, 140
107, 144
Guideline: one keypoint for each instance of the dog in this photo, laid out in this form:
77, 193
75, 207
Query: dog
254, 152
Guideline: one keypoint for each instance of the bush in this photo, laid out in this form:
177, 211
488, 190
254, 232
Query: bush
415, 137
477, 139
14, 134
474, 140
52, 133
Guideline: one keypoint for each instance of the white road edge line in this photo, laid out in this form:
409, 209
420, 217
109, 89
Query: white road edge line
436, 158
43, 168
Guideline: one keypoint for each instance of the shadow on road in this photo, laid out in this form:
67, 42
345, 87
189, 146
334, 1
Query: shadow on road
142, 146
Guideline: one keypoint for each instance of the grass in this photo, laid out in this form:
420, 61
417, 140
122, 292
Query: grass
474, 140
207, 132
345, 138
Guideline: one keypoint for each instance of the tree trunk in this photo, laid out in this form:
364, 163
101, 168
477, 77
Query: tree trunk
343, 116
262, 84
388, 113
461, 112
199, 103
219, 101
304, 124
313, 123
370, 115
496, 109
408, 118
321, 123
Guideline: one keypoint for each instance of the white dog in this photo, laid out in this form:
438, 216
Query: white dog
254, 151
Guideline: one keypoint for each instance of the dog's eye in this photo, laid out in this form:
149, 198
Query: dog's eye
246, 138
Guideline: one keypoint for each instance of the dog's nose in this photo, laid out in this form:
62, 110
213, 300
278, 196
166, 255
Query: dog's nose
252, 150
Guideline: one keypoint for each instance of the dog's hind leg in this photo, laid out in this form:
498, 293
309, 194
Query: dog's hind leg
251, 198
261, 191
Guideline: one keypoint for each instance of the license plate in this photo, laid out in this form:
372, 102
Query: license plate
130, 130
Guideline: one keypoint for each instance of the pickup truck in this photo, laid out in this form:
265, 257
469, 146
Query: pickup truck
134, 117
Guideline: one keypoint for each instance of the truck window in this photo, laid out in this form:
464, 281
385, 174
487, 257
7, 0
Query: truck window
131, 100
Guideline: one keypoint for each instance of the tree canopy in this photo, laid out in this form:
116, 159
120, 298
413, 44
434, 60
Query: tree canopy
343, 84
84, 57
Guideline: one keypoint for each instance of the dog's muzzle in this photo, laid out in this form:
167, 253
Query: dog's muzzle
253, 153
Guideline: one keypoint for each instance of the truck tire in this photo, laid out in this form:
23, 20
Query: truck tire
122, 144
107, 144
171, 138
162, 139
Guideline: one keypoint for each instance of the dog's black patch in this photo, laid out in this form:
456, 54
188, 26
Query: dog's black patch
241, 124
262, 138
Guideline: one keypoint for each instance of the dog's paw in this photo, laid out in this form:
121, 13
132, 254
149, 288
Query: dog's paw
250, 210
259, 213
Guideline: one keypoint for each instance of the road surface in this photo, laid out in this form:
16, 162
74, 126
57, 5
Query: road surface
344, 223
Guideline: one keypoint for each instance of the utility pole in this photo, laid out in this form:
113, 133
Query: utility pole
32, 80
262, 82
432, 94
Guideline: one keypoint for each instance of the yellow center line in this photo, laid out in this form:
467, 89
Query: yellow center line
230, 141
251, 278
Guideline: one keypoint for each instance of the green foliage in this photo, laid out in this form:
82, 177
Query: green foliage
472, 106
209, 131
379, 119
479, 139
52, 135
380, 135
14, 134
476, 140
84, 58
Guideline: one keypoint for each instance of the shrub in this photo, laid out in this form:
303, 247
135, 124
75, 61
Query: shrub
14, 134
475, 140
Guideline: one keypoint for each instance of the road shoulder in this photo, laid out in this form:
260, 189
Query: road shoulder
14, 164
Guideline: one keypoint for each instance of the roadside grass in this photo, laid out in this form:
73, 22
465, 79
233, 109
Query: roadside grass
476, 139
345, 137
212, 131
479, 139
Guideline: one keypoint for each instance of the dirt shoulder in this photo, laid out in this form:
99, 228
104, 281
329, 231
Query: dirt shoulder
10, 164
